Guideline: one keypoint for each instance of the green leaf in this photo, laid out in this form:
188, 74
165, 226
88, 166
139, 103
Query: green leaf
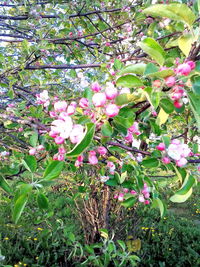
162, 117
34, 139
194, 101
161, 74
53, 170
185, 43
129, 81
106, 129
150, 69
153, 49
196, 84
185, 191
175, 11
42, 201
135, 68
129, 202
126, 122
19, 207
4, 185
167, 105
30, 163
157, 203
150, 163
124, 99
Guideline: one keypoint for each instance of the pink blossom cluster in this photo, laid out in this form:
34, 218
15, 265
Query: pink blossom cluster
134, 129
43, 98
185, 68
177, 94
176, 151
34, 150
105, 99
143, 195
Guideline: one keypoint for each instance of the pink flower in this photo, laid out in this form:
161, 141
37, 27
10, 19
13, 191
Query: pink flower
92, 152
115, 196
80, 158
55, 157
99, 99
121, 196
63, 116
20, 130
146, 202
181, 162
175, 142
52, 114
133, 192
126, 190
83, 103
170, 81
129, 137
154, 113
53, 134
184, 69
111, 167
92, 159
43, 98
102, 150
59, 140
166, 160
191, 64
112, 110
107, 44
76, 134
71, 109
156, 83
141, 198
61, 150
32, 151
61, 157
40, 147
161, 147
135, 128
147, 195
62, 127
95, 87
111, 91
177, 104
60, 106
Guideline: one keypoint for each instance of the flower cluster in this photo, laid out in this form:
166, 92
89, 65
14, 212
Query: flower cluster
143, 195
176, 151
34, 150
43, 98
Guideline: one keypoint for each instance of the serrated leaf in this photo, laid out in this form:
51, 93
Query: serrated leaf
53, 170
129, 81
85, 142
153, 49
174, 11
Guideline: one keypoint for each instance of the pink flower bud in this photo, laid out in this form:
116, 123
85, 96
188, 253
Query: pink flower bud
177, 104
95, 87
115, 196
191, 64
61, 150
71, 109
59, 140
112, 110
134, 128
129, 137
60, 106
146, 195
83, 103
53, 134
107, 44
32, 151
92, 159
154, 113
121, 197
161, 147
126, 190
184, 69
52, 114
176, 96
99, 99
102, 150
20, 130
170, 81
111, 92
181, 162
55, 157
40, 147
146, 202
141, 198
80, 158
61, 157
166, 160
156, 83
133, 192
